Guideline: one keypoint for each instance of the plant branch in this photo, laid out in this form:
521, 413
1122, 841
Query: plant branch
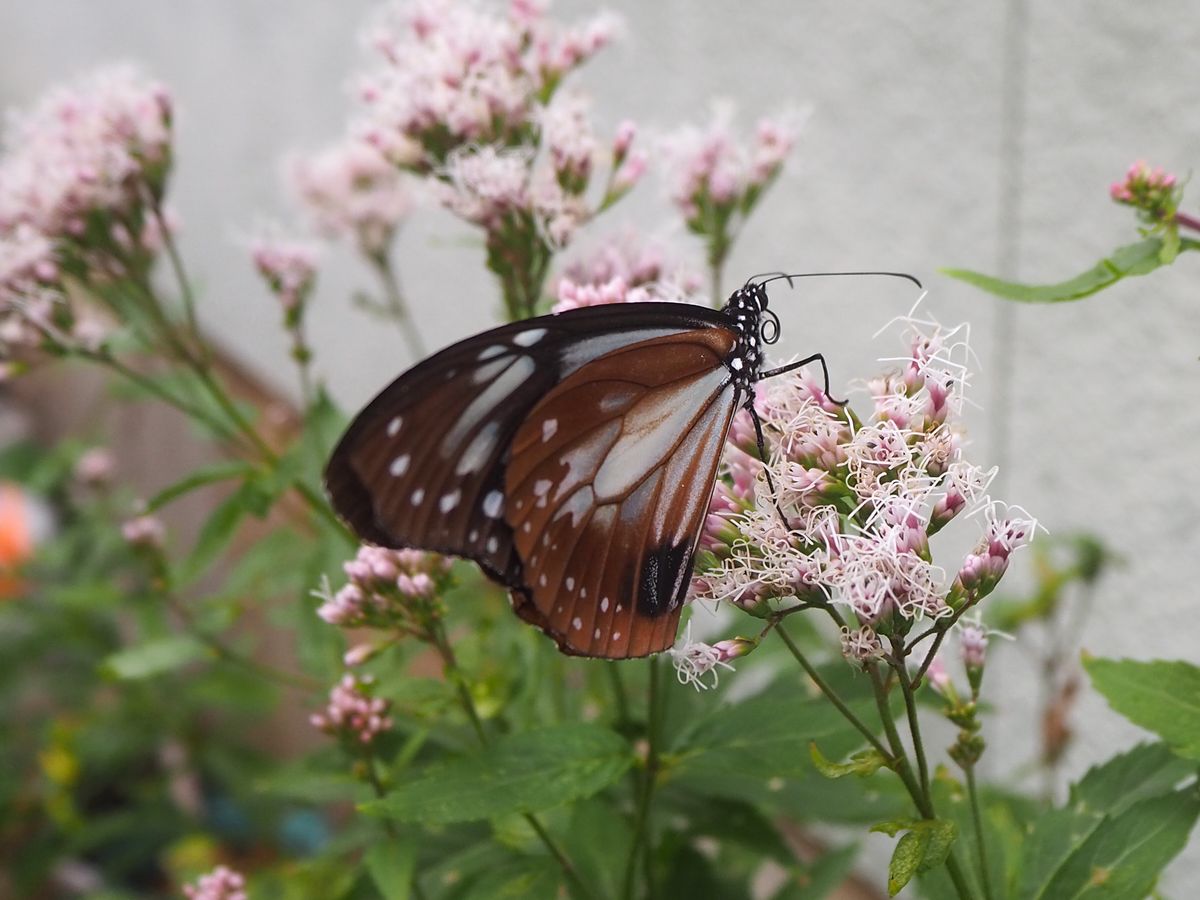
649, 780
980, 842
396, 305
830, 693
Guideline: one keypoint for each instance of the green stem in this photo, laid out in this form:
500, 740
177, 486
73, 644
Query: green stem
649, 781
619, 695
228, 654
914, 724
394, 297
444, 648
923, 800
980, 841
185, 286
830, 693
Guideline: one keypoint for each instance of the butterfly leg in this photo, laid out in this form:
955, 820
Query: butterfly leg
762, 455
816, 357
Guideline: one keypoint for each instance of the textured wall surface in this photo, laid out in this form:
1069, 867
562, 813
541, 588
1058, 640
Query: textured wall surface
942, 133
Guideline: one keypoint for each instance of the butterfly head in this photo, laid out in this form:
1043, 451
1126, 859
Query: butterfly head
755, 325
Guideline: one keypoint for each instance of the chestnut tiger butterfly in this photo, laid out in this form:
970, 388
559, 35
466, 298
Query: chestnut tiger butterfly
572, 456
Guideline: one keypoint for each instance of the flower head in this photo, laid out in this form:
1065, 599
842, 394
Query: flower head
350, 190
289, 267
696, 659
856, 501
222, 883
384, 588
86, 149
353, 714
1154, 192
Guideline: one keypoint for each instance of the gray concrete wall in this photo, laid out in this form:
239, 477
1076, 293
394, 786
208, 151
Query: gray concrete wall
943, 133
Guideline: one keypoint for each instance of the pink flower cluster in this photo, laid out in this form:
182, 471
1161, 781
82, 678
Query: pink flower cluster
860, 499
289, 268
145, 531
453, 73
349, 190
78, 175
1153, 191
626, 269
353, 714
222, 883
715, 176
383, 587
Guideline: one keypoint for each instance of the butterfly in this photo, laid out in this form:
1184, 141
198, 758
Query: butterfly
572, 456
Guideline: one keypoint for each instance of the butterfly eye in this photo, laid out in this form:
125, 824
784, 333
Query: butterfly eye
768, 331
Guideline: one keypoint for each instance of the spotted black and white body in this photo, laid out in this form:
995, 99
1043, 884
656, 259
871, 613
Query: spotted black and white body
572, 456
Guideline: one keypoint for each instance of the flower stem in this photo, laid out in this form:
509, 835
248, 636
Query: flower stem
980, 842
830, 693
649, 780
396, 304
185, 286
922, 798
914, 724
1187, 220
445, 650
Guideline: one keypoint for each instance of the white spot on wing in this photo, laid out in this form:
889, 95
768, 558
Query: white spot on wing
577, 623
570, 584
616, 635
504, 384
542, 486
493, 505
394, 426
492, 544
530, 337
399, 465
489, 352
604, 605
549, 427
417, 496
596, 634
479, 450
449, 501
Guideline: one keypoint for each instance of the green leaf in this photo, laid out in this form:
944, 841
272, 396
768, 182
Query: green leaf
863, 763
1105, 793
153, 657
527, 879
1161, 696
1147, 770
599, 835
222, 471
906, 858
1130, 260
924, 846
392, 864
1123, 856
520, 773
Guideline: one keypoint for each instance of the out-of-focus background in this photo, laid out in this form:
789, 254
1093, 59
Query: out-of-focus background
938, 134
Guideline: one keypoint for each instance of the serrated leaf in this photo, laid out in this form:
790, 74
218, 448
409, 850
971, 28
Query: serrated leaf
392, 865
520, 773
863, 763
1132, 259
206, 475
1162, 696
154, 657
1122, 857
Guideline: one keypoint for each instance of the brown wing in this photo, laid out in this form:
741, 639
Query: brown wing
608, 483
423, 465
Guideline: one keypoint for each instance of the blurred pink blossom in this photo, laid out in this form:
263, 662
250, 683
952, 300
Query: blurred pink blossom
349, 190
222, 883
352, 713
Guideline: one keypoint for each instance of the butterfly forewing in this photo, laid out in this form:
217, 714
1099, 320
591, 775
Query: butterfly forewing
608, 485
424, 464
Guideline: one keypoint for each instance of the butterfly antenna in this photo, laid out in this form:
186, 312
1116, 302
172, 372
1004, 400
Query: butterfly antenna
777, 276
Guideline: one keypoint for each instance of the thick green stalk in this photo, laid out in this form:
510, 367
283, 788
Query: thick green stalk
980, 839
649, 781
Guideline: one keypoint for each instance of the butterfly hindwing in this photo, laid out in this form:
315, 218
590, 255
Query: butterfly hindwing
424, 464
608, 485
